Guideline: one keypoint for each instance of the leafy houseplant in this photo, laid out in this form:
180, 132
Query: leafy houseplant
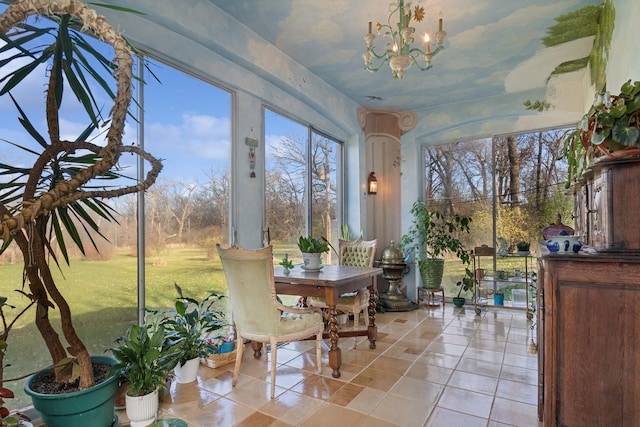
610, 127
312, 249
145, 357
190, 322
466, 284
45, 205
430, 237
312, 245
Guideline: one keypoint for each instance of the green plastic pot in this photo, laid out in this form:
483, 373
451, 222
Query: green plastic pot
91, 407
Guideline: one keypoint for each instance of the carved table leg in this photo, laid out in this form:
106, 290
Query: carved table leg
335, 355
372, 330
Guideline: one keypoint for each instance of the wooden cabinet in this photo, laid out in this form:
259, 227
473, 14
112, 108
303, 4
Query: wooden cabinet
589, 308
606, 205
589, 335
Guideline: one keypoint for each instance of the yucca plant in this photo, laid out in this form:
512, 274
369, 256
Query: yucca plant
45, 206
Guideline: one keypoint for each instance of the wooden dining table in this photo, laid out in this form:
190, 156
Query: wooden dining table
330, 282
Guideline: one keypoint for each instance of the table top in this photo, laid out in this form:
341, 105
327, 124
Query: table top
329, 274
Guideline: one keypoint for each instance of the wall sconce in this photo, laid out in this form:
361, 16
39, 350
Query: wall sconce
372, 183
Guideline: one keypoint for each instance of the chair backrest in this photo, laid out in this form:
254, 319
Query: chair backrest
357, 253
252, 294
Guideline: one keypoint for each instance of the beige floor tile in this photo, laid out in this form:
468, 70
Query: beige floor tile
473, 382
526, 361
469, 402
291, 407
431, 373
411, 388
222, 412
377, 422
481, 367
444, 348
367, 400
377, 379
512, 390
514, 413
441, 417
486, 355
402, 411
522, 375
253, 394
333, 415
391, 364
439, 359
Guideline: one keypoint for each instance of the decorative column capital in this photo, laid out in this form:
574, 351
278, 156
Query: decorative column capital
386, 122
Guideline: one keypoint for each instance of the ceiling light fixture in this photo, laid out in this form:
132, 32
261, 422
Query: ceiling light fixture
399, 51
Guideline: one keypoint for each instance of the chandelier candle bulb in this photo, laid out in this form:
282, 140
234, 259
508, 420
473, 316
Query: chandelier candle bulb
439, 24
369, 27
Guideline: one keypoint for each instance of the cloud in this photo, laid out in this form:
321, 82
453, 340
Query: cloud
197, 136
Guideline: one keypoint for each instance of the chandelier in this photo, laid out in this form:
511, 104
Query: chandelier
399, 50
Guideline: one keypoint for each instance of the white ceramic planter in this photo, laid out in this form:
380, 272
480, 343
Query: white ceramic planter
311, 260
188, 372
142, 410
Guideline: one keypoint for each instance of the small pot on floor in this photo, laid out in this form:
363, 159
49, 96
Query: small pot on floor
458, 301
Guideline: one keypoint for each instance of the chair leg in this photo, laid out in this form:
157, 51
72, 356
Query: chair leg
356, 324
319, 352
236, 369
274, 349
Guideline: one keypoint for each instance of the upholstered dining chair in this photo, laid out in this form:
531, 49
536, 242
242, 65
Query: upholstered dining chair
357, 253
257, 314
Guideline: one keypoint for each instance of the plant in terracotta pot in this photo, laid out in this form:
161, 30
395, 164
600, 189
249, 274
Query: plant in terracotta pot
45, 206
611, 127
430, 237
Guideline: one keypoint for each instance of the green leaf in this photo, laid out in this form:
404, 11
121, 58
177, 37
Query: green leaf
625, 134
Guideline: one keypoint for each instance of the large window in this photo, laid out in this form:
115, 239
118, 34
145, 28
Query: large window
302, 182
511, 186
187, 125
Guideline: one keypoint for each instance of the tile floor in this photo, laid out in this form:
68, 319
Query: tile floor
433, 367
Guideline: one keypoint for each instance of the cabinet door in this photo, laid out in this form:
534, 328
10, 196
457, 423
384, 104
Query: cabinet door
598, 365
599, 210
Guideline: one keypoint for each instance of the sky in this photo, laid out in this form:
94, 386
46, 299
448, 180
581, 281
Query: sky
187, 123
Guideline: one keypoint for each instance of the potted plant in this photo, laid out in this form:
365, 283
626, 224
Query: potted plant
187, 326
44, 206
286, 264
312, 249
466, 284
145, 357
523, 247
430, 237
611, 127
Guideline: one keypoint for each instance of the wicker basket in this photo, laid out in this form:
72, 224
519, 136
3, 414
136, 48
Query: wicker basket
219, 359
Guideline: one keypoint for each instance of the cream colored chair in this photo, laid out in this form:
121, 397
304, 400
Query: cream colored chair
257, 314
357, 253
